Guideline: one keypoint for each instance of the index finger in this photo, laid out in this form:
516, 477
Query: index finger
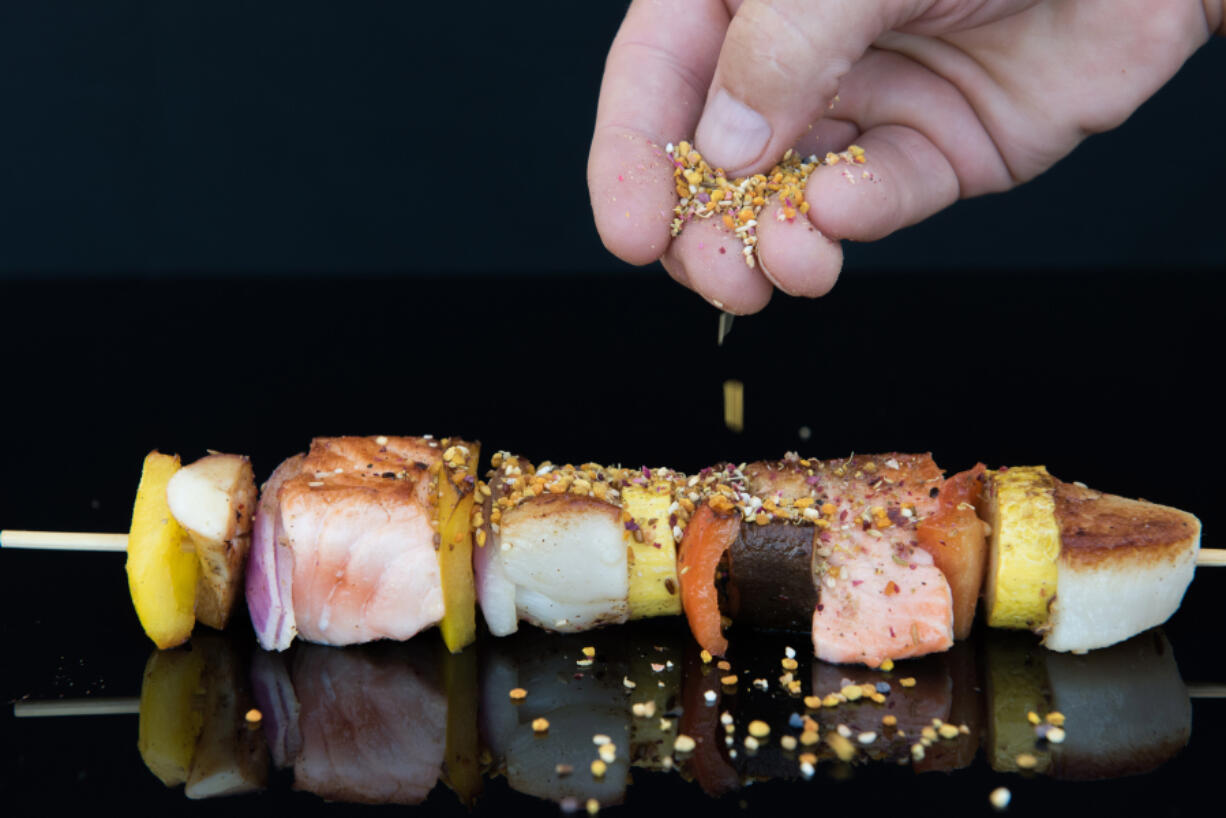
653, 91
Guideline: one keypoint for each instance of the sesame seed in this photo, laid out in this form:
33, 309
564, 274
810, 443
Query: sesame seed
540, 725
598, 768
909, 681
759, 729
867, 737
1027, 761
608, 753
593, 806
1056, 735
1000, 797
788, 742
683, 744
518, 694
710, 696
600, 739
254, 716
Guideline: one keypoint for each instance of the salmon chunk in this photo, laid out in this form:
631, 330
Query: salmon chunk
880, 595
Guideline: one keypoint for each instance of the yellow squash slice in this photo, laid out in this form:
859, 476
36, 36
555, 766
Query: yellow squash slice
1017, 686
652, 566
171, 713
162, 566
1024, 547
462, 762
456, 482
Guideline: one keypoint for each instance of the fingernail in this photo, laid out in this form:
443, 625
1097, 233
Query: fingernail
730, 133
774, 281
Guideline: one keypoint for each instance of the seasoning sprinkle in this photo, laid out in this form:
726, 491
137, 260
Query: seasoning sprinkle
1000, 798
704, 192
759, 729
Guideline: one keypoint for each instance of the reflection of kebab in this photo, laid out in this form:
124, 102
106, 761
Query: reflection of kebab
878, 556
384, 723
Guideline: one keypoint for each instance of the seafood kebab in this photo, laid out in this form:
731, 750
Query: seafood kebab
876, 557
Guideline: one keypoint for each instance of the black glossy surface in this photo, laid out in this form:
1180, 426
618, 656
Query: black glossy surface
315, 136
1107, 379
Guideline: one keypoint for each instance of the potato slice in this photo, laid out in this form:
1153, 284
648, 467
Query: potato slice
161, 566
171, 713
213, 499
653, 563
456, 482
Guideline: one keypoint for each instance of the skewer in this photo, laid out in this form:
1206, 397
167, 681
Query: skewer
88, 541
130, 706
98, 706
63, 540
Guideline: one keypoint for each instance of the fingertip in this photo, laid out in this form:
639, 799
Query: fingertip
904, 179
631, 189
711, 260
796, 257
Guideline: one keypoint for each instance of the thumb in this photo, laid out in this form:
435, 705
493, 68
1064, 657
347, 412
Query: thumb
779, 69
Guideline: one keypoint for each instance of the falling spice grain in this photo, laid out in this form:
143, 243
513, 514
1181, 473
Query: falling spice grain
734, 405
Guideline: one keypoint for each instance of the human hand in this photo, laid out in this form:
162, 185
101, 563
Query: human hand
949, 98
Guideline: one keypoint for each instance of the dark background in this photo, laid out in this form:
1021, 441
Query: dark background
395, 137
240, 228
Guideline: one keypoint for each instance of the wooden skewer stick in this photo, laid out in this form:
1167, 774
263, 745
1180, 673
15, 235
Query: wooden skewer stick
1215, 557
63, 540
101, 706
84, 541
98, 706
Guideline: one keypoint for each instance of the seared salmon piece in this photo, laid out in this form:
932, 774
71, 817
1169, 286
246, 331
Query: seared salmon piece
357, 519
880, 595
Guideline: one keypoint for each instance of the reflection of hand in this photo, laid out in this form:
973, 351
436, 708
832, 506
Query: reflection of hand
950, 99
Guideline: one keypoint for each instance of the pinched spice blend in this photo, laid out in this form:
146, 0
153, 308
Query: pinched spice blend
705, 192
